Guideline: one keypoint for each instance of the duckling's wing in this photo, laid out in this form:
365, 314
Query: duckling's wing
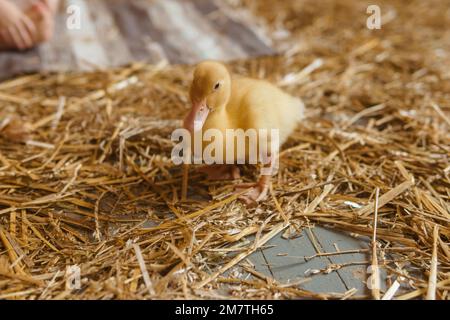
261, 105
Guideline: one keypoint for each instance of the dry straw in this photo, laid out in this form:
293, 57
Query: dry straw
86, 177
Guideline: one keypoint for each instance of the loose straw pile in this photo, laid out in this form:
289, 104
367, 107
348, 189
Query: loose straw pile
86, 178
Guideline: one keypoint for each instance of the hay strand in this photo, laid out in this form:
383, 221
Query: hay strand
85, 176
432, 279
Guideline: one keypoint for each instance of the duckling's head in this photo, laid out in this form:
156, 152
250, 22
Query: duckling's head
210, 91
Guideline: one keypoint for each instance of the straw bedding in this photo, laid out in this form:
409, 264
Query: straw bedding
86, 178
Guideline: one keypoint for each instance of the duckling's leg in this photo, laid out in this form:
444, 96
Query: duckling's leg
221, 172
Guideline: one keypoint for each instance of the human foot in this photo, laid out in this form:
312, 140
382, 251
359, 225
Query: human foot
17, 30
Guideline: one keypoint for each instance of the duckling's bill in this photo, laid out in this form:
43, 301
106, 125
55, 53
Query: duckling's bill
196, 118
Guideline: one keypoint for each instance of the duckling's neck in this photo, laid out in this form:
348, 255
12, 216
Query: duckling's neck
221, 116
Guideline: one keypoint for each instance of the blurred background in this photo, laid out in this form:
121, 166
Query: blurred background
98, 34
85, 150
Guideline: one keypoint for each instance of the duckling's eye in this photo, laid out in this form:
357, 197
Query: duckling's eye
216, 86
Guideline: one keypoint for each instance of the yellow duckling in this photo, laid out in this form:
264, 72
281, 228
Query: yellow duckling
222, 102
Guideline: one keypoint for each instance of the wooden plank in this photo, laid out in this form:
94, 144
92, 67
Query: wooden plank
229, 48
259, 260
354, 276
178, 44
3, 70
57, 54
110, 37
117, 32
88, 51
287, 264
13, 63
233, 29
138, 31
190, 34
258, 244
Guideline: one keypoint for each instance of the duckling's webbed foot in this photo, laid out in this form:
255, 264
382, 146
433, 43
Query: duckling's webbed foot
220, 172
256, 191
